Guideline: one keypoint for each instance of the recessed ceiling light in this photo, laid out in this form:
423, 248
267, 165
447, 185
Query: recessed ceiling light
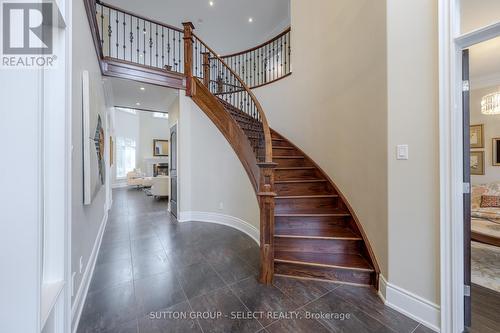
211, 3
137, 103
142, 88
250, 19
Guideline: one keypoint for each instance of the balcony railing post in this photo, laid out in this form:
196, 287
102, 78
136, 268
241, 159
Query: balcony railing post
188, 56
266, 202
206, 69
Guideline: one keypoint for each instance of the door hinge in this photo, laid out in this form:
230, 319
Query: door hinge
465, 85
466, 291
466, 188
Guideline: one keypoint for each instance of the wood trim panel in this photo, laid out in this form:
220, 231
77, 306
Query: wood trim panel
126, 70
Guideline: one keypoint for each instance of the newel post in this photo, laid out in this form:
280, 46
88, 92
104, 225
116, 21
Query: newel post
266, 203
188, 56
206, 69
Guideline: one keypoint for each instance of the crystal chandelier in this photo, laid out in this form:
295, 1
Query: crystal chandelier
490, 104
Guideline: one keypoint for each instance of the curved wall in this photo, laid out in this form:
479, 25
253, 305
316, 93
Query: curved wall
334, 105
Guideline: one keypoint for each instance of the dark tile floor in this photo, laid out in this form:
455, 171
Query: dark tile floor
156, 275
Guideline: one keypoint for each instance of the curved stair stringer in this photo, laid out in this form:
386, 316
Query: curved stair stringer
233, 133
279, 141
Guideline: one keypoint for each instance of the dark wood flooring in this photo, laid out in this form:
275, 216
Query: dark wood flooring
485, 310
155, 275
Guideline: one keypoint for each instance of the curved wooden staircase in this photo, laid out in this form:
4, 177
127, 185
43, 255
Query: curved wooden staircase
316, 234
307, 228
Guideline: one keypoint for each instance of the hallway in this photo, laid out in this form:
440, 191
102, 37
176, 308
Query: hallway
156, 275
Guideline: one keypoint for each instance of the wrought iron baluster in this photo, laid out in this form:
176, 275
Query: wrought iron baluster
138, 38
117, 35
109, 31
156, 46
144, 42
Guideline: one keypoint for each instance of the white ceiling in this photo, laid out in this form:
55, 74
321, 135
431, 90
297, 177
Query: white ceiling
223, 26
127, 93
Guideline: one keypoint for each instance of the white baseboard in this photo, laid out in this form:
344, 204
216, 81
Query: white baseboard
223, 219
409, 304
81, 295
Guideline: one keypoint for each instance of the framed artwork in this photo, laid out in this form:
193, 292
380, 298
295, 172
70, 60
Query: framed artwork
160, 147
93, 140
495, 155
477, 162
476, 136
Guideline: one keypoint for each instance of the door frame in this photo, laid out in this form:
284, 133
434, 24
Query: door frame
451, 44
176, 123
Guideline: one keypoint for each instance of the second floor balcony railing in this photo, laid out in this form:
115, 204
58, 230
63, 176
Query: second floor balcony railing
132, 38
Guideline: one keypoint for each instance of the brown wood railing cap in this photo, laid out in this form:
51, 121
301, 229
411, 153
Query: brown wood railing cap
265, 125
139, 16
287, 30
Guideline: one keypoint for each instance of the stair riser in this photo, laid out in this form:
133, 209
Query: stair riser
309, 205
316, 222
296, 174
279, 143
285, 152
292, 162
325, 273
322, 246
310, 188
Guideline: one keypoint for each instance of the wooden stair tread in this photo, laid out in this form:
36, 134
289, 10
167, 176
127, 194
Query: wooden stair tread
332, 232
301, 180
289, 157
306, 196
341, 260
284, 147
340, 214
296, 168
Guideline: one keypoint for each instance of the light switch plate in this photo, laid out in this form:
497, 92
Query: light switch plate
402, 152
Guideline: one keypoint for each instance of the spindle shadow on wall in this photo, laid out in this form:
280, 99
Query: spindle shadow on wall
129, 37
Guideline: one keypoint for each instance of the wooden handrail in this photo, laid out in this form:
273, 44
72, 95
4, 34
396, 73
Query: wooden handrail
287, 30
265, 124
138, 16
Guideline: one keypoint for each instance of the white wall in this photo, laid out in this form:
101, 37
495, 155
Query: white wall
334, 104
479, 13
491, 130
150, 128
86, 220
413, 194
210, 173
365, 78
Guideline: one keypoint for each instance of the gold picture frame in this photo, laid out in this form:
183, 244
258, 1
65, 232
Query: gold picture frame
495, 153
477, 163
477, 136
160, 147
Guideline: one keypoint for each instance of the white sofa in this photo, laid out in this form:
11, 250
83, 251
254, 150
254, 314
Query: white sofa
161, 186
135, 177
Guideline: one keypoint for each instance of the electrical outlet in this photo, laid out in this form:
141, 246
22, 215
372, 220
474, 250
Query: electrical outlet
221, 205
81, 265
